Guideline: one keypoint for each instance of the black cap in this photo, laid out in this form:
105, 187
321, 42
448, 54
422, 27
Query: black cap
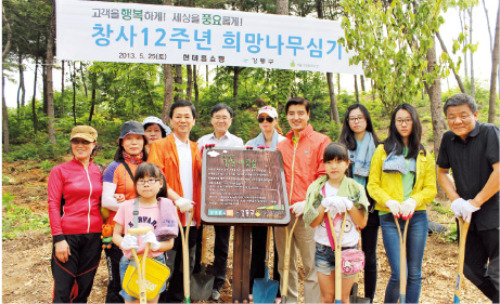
131, 127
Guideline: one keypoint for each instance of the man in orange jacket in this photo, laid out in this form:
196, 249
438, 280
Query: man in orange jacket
302, 152
180, 160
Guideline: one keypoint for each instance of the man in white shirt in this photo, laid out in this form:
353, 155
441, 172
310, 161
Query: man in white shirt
222, 117
180, 161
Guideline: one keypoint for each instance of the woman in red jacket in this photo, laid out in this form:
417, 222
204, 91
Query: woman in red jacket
74, 192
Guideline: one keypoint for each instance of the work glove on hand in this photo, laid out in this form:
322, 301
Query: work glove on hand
347, 203
407, 208
393, 206
184, 204
129, 242
463, 208
335, 204
150, 238
298, 208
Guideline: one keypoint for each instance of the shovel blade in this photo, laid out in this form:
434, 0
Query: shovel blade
265, 290
201, 285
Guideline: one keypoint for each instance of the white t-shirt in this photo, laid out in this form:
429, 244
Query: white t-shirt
351, 234
185, 172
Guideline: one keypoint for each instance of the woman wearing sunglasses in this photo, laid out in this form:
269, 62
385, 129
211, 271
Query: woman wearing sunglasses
269, 137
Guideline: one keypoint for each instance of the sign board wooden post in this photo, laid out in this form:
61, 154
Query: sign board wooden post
243, 187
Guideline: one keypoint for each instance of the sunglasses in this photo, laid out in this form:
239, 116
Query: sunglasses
80, 142
261, 119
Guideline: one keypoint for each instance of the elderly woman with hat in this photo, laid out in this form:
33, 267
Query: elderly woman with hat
118, 186
154, 129
74, 192
269, 137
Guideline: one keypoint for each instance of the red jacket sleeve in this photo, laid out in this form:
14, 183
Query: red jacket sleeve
55, 192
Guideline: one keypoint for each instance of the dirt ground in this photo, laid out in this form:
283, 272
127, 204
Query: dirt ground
26, 275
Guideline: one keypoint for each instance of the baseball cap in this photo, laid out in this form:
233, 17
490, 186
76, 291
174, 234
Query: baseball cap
131, 127
271, 111
85, 132
155, 120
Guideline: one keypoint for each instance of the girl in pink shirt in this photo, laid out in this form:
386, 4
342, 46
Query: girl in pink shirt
154, 211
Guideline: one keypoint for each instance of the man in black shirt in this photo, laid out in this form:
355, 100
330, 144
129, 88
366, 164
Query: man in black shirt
471, 150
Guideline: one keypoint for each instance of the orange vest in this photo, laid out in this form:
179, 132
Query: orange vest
164, 154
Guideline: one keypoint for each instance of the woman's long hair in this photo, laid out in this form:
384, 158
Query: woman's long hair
395, 142
347, 135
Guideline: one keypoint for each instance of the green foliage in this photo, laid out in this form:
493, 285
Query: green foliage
17, 220
438, 207
391, 42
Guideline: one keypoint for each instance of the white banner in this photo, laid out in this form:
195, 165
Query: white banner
142, 33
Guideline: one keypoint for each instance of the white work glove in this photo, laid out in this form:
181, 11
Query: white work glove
394, 207
298, 208
347, 203
335, 204
184, 204
407, 208
129, 242
150, 238
463, 208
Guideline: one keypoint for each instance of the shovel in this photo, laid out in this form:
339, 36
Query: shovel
286, 266
185, 257
402, 261
463, 228
338, 256
141, 268
201, 282
265, 290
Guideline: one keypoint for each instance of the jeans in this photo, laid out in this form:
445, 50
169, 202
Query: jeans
415, 245
481, 247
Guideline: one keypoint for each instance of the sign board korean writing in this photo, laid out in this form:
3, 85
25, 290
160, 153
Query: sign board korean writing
143, 33
243, 186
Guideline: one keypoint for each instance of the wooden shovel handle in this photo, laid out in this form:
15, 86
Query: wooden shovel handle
139, 230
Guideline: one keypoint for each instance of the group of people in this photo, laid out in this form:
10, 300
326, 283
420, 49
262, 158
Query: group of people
372, 184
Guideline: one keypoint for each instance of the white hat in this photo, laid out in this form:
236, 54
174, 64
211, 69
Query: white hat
156, 120
271, 111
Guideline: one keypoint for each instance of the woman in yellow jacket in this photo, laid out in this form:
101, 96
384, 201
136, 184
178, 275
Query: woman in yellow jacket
402, 181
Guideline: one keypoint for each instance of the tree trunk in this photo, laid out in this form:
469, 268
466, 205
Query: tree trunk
83, 81
472, 85
206, 76
334, 111
457, 77
33, 102
50, 90
6, 24
62, 88
21, 92
488, 25
494, 72
338, 83
356, 87
168, 95
196, 89
438, 122
178, 82
362, 80
189, 89
73, 79
282, 7
92, 104
44, 85
5, 118
462, 22
236, 85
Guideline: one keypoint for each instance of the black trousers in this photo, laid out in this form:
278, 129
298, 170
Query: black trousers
73, 280
257, 266
175, 288
369, 237
221, 251
480, 247
113, 256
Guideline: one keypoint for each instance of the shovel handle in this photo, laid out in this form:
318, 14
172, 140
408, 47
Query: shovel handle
185, 257
402, 260
338, 255
139, 230
463, 227
286, 267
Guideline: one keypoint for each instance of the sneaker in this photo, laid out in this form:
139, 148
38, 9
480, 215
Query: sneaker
215, 295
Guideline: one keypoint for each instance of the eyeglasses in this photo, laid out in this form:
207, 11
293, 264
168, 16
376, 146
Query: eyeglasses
149, 181
261, 119
356, 119
407, 121
80, 142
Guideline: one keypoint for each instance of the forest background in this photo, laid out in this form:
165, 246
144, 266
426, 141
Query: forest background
395, 41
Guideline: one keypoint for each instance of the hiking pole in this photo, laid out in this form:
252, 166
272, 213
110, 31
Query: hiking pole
402, 261
338, 256
463, 228
141, 273
286, 266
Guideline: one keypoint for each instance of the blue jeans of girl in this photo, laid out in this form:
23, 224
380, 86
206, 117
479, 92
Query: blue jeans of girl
415, 244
